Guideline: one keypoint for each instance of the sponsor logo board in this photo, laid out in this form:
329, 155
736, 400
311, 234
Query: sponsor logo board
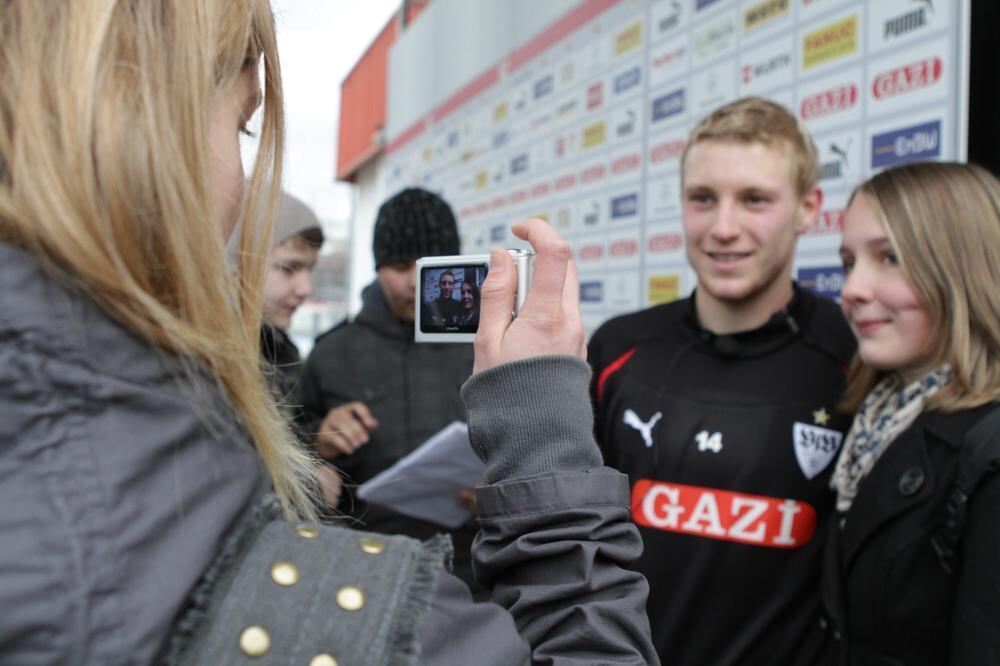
668, 18
669, 105
833, 100
764, 13
907, 144
827, 281
594, 134
839, 159
592, 291
624, 206
715, 39
663, 288
713, 88
668, 61
767, 67
629, 39
627, 80
911, 77
893, 22
830, 42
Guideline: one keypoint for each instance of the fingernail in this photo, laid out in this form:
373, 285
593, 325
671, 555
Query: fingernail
496, 257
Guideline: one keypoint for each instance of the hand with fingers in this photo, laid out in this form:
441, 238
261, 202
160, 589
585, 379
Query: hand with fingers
549, 322
344, 430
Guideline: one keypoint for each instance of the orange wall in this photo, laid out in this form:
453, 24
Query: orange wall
362, 100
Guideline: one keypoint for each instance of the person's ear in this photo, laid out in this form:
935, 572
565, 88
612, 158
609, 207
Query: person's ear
810, 206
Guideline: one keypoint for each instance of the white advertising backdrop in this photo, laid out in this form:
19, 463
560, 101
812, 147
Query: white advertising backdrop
584, 123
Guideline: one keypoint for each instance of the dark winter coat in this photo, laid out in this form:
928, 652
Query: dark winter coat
889, 600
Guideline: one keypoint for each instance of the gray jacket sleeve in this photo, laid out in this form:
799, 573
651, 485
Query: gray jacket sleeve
555, 534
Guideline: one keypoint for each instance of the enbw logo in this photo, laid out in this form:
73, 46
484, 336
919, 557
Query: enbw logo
627, 79
624, 206
591, 292
907, 144
826, 282
668, 105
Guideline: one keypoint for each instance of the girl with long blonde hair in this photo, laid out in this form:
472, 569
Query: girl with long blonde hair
138, 440
911, 572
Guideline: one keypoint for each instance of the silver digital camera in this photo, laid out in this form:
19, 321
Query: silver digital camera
448, 294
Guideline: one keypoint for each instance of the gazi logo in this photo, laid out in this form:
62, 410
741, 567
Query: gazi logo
829, 102
907, 78
908, 22
720, 514
908, 144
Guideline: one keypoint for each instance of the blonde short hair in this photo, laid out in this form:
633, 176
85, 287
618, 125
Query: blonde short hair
105, 177
943, 220
757, 120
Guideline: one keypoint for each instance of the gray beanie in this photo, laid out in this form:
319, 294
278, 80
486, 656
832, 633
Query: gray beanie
296, 219
412, 224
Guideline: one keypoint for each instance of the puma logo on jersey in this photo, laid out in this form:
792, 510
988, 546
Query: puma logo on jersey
759, 520
632, 420
709, 441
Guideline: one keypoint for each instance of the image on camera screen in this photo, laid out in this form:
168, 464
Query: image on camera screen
450, 298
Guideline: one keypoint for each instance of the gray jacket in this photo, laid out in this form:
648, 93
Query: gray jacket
122, 471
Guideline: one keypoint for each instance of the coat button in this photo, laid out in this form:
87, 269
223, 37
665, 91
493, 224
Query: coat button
822, 623
285, 573
372, 546
323, 660
255, 641
911, 481
350, 598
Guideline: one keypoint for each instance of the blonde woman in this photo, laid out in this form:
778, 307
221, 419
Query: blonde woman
911, 574
137, 436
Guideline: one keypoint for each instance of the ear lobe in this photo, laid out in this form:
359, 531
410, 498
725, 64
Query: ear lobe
810, 207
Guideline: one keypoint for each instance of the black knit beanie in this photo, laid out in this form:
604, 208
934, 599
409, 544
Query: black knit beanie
412, 224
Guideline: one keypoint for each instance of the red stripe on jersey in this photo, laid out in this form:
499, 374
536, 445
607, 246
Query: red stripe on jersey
721, 514
614, 367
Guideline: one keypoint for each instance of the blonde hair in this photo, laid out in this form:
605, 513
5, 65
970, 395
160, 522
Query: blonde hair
105, 177
943, 220
757, 120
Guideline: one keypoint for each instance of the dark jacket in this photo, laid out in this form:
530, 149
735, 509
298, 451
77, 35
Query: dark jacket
889, 600
412, 389
728, 442
282, 356
121, 475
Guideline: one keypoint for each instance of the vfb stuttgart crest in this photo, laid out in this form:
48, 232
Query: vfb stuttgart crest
815, 447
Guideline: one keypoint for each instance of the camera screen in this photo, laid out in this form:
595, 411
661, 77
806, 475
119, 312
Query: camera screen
450, 298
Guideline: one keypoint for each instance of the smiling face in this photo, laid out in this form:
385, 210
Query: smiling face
742, 216
288, 284
892, 325
229, 116
447, 285
468, 297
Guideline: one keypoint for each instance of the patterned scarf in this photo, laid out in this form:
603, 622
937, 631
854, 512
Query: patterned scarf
887, 411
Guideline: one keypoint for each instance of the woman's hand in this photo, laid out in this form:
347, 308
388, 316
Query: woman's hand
549, 322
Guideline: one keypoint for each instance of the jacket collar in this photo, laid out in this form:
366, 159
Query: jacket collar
783, 327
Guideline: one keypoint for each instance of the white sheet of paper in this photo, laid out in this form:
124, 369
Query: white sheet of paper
425, 483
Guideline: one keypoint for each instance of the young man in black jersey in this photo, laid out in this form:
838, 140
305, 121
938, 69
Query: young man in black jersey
721, 407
